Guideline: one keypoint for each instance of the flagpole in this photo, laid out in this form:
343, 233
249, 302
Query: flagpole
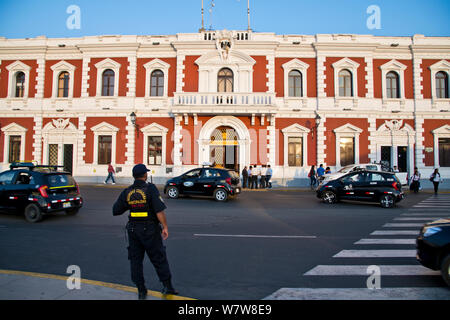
248, 14
203, 20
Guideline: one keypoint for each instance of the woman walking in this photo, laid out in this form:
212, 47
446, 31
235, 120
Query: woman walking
415, 181
436, 179
312, 177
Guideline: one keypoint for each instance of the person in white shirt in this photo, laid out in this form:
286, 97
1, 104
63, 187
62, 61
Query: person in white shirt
268, 177
436, 179
263, 177
415, 181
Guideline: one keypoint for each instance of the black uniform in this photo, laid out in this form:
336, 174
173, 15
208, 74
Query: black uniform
144, 231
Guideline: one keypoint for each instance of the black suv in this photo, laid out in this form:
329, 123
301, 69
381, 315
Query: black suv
363, 185
220, 183
38, 190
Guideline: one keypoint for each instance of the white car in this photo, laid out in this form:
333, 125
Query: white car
350, 168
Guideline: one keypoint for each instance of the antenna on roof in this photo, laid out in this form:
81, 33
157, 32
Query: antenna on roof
248, 15
203, 19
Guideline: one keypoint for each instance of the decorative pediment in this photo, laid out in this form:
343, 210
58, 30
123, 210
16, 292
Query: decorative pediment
107, 64
295, 128
348, 128
445, 129
295, 64
18, 65
63, 66
235, 57
441, 65
14, 127
396, 126
345, 63
154, 128
104, 127
393, 65
157, 64
59, 125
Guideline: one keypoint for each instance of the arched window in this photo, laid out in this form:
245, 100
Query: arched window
295, 84
63, 84
442, 85
345, 83
157, 84
225, 80
392, 85
108, 83
20, 84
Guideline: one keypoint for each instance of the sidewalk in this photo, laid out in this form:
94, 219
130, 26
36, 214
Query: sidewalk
18, 285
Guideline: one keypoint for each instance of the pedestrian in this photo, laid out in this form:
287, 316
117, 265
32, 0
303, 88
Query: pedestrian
244, 177
328, 170
415, 181
436, 179
111, 173
269, 174
263, 176
146, 230
320, 171
396, 169
256, 176
250, 177
312, 177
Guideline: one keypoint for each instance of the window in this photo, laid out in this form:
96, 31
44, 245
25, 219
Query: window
295, 84
63, 84
104, 149
157, 84
20, 85
375, 177
210, 173
295, 149
353, 178
108, 83
193, 174
225, 80
24, 178
347, 151
7, 177
345, 84
155, 150
53, 154
392, 85
14, 148
444, 152
441, 85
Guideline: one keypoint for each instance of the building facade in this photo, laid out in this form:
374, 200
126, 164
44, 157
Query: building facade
232, 98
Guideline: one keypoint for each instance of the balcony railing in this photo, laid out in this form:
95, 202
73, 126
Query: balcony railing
232, 98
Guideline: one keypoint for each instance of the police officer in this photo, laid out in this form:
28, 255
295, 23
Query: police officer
146, 229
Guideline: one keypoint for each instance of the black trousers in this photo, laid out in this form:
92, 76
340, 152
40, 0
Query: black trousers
145, 237
244, 181
436, 186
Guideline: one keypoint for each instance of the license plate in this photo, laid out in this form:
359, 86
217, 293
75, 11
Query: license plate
66, 205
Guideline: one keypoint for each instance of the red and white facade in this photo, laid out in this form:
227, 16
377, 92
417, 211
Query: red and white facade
259, 110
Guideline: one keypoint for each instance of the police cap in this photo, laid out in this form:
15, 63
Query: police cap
139, 170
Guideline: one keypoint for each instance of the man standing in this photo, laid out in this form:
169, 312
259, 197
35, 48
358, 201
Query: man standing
263, 176
111, 173
268, 176
250, 177
320, 171
146, 229
244, 177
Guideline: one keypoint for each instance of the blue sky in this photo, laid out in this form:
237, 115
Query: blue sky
31, 18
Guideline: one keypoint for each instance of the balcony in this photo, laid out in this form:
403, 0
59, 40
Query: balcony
233, 102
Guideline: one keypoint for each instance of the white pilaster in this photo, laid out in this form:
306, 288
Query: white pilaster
37, 139
85, 77
131, 84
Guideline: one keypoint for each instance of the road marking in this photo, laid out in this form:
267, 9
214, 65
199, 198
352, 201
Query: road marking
403, 225
360, 294
426, 213
417, 219
95, 283
395, 233
376, 254
361, 270
253, 236
386, 241
431, 206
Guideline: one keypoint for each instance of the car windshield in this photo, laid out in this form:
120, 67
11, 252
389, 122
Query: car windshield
345, 169
60, 180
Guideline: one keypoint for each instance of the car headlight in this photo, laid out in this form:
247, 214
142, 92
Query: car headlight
428, 232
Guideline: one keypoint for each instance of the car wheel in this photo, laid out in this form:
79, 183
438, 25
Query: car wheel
220, 195
33, 213
72, 212
173, 192
329, 197
387, 201
445, 269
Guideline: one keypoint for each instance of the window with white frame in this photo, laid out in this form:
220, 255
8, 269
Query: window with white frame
440, 72
14, 142
295, 78
393, 74
295, 145
19, 75
442, 146
347, 144
108, 72
345, 78
63, 79
442, 85
156, 78
154, 144
105, 140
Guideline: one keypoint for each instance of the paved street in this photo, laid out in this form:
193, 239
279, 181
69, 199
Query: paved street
265, 244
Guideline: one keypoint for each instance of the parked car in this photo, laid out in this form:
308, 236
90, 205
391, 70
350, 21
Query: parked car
350, 168
433, 247
363, 185
219, 183
38, 190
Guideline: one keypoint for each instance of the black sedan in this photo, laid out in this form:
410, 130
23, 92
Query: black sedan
433, 247
371, 186
219, 183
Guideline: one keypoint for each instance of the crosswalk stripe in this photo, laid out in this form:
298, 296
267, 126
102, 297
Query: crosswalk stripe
416, 219
375, 254
386, 241
361, 270
422, 213
421, 293
395, 233
402, 225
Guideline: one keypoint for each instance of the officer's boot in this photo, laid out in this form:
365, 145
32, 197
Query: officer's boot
142, 292
168, 288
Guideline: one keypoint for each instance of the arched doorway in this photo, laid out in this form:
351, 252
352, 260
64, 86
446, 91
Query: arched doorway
224, 148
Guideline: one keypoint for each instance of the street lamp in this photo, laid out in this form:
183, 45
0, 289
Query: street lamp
133, 118
317, 119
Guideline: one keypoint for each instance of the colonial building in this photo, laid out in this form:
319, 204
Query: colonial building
233, 98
